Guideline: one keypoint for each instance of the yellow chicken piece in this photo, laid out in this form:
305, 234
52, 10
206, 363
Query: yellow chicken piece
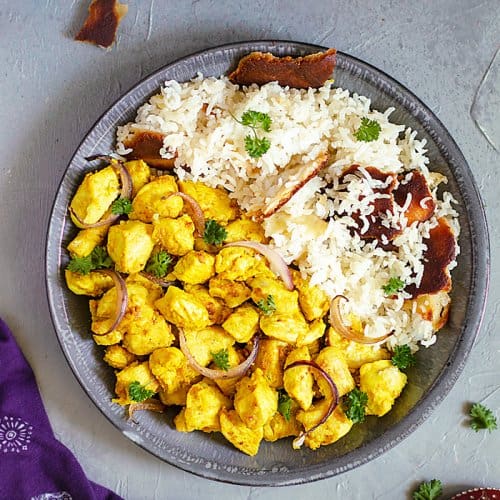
313, 301
86, 240
316, 330
336, 426
195, 267
278, 427
255, 401
383, 382
298, 381
136, 372
176, 398
237, 263
204, 403
140, 173
218, 312
154, 199
244, 438
283, 326
233, 293
130, 245
176, 236
144, 336
118, 357
183, 309
112, 338
153, 290
95, 195
214, 202
92, 284
336, 366
244, 230
270, 359
242, 323
354, 353
202, 343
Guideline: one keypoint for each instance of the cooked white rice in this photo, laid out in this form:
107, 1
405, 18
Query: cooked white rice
314, 228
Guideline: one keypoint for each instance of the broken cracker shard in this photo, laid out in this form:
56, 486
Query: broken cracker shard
102, 22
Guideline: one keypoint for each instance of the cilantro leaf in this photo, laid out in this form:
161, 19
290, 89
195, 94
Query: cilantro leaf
368, 131
138, 392
355, 405
267, 305
121, 206
482, 418
256, 120
394, 285
214, 233
221, 359
158, 264
428, 491
402, 357
285, 405
256, 147
97, 259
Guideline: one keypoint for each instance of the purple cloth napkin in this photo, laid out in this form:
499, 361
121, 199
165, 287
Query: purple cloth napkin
34, 465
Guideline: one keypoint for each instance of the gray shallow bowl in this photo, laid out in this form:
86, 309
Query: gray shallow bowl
438, 368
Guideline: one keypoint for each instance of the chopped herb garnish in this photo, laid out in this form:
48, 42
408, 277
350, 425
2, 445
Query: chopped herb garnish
221, 359
430, 490
214, 233
285, 405
355, 405
267, 305
98, 259
394, 285
121, 206
256, 146
403, 357
158, 264
482, 418
368, 131
138, 392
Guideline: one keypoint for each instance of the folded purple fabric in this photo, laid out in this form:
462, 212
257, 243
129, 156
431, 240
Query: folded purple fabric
34, 465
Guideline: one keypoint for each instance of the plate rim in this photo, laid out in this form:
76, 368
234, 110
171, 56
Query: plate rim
436, 393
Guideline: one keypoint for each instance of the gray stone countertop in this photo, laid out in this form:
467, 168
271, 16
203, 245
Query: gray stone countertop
54, 89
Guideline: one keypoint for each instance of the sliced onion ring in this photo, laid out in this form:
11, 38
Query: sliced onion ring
152, 405
195, 211
276, 262
299, 440
121, 298
126, 192
158, 281
346, 331
235, 371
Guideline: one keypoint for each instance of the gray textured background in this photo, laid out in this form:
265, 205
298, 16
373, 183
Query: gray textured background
53, 90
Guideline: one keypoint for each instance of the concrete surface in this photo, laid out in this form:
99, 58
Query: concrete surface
53, 89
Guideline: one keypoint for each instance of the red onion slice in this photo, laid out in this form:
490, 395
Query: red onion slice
126, 192
151, 405
235, 371
121, 298
195, 211
346, 331
299, 440
276, 262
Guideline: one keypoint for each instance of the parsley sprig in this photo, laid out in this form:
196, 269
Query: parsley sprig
267, 305
97, 259
256, 146
158, 264
403, 357
121, 206
355, 405
138, 392
393, 286
214, 233
285, 405
482, 418
368, 131
430, 490
221, 359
